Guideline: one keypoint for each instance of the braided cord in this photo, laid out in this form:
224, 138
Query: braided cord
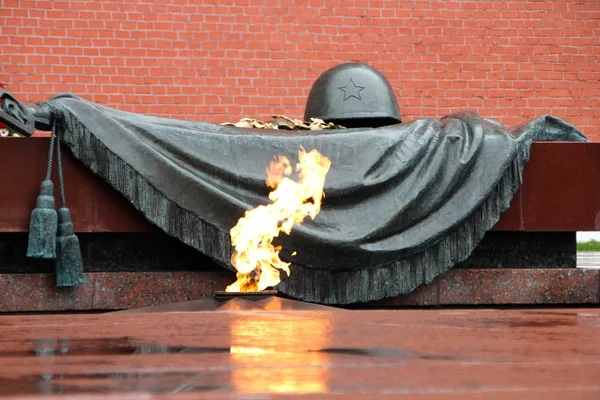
60, 172
51, 152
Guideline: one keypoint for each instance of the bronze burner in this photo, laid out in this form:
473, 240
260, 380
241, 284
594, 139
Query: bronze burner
222, 293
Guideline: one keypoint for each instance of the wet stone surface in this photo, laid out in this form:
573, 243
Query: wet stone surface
265, 353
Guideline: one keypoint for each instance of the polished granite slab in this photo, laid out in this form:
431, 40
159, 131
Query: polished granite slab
273, 347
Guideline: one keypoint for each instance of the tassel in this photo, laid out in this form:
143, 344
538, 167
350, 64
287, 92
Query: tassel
42, 226
69, 263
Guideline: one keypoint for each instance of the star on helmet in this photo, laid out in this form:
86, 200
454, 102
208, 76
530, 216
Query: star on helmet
351, 90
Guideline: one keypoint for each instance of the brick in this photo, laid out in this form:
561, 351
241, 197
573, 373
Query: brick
416, 44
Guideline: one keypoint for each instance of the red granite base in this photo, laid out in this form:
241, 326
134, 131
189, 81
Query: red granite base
96, 207
107, 290
505, 287
127, 290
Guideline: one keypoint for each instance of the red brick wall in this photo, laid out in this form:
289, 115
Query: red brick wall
222, 59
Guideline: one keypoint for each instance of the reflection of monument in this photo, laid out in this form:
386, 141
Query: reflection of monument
404, 203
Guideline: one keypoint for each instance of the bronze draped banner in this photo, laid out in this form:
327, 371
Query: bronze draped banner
404, 203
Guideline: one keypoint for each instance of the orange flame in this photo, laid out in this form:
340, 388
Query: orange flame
255, 258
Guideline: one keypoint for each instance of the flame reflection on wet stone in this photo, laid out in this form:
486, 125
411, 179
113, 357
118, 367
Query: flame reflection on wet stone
265, 357
274, 357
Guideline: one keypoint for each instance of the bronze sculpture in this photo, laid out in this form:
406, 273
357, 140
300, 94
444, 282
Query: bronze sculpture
404, 203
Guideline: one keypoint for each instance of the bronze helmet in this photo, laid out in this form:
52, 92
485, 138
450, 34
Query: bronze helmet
353, 95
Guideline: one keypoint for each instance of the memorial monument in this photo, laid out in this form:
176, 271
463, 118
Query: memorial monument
404, 201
